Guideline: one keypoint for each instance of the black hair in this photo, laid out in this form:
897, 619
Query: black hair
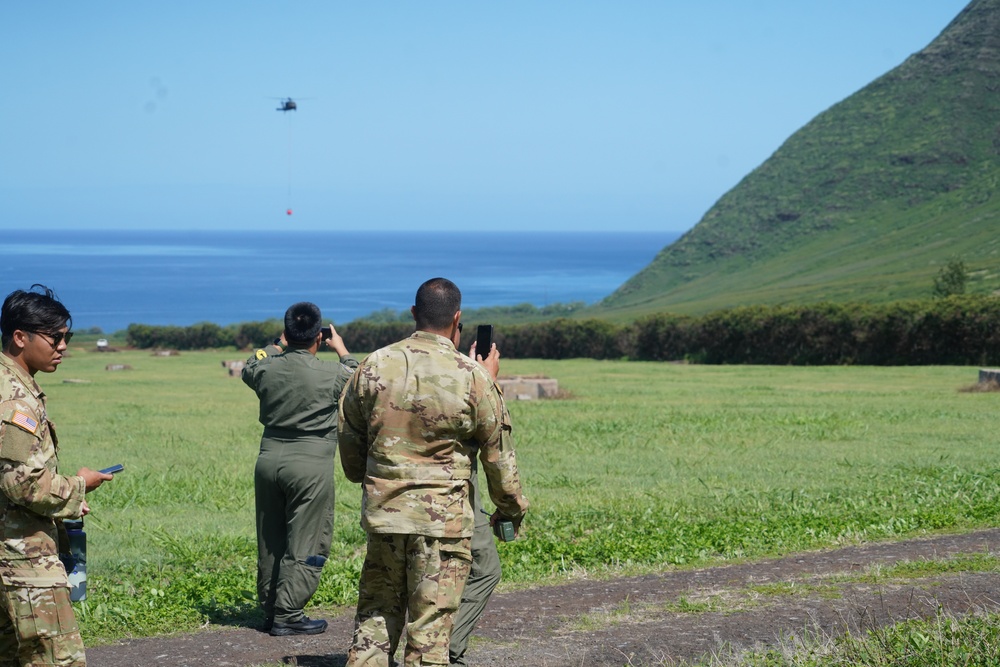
32, 311
436, 303
303, 321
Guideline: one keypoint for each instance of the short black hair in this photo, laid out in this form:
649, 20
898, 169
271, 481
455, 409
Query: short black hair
36, 310
302, 322
437, 301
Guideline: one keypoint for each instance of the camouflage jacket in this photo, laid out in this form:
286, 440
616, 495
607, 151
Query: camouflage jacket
33, 495
410, 419
298, 392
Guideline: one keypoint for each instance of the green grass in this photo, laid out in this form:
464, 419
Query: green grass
646, 467
970, 641
945, 639
918, 569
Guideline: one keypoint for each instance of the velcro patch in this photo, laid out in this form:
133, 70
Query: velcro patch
16, 443
24, 421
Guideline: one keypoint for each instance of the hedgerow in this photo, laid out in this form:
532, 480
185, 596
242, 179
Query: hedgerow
958, 330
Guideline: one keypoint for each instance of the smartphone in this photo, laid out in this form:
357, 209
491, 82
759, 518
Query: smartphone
484, 340
118, 467
326, 332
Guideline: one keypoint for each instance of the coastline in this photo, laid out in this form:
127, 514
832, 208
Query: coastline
110, 279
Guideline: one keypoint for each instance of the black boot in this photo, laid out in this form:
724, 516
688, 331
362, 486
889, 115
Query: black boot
303, 626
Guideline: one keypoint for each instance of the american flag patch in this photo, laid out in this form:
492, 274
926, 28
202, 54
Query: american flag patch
24, 421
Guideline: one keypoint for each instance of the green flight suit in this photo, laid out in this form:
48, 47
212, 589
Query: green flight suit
483, 578
293, 477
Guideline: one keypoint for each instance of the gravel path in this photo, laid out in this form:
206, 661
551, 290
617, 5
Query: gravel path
640, 620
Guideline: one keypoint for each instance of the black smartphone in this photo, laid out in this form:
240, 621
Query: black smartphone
484, 340
326, 332
118, 467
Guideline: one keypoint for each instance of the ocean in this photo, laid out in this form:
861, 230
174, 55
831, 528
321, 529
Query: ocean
110, 279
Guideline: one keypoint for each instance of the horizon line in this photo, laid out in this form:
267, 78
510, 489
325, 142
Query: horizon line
369, 230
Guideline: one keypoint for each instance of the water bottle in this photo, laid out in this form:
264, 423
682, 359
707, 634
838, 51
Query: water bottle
78, 550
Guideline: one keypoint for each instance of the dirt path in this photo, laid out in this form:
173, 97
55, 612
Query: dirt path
636, 620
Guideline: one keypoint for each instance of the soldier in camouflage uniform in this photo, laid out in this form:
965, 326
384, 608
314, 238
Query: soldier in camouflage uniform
37, 625
293, 477
411, 419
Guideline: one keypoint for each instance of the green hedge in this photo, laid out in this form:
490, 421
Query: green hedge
202, 336
958, 330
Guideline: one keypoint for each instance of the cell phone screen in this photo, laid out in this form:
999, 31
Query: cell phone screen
484, 340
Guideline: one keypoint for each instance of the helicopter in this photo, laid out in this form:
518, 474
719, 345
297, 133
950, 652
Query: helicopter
287, 104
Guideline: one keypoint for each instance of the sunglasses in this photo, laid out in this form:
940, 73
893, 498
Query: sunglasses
459, 327
56, 336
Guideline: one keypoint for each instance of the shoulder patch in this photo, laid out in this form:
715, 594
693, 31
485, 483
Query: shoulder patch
261, 353
16, 443
25, 421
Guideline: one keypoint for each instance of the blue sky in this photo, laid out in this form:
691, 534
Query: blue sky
632, 115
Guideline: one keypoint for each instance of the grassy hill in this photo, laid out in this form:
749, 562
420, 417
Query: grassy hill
866, 202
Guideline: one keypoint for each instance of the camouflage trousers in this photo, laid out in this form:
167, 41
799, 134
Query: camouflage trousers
37, 627
408, 576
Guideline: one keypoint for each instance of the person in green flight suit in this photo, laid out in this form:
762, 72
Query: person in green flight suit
293, 477
483, 579
486, 572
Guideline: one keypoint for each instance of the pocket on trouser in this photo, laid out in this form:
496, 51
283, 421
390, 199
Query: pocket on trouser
442, 573
47, 626
456, 562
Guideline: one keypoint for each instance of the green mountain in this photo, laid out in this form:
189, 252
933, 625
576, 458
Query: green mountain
865, 203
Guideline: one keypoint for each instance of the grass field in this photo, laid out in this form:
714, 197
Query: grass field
641, 467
